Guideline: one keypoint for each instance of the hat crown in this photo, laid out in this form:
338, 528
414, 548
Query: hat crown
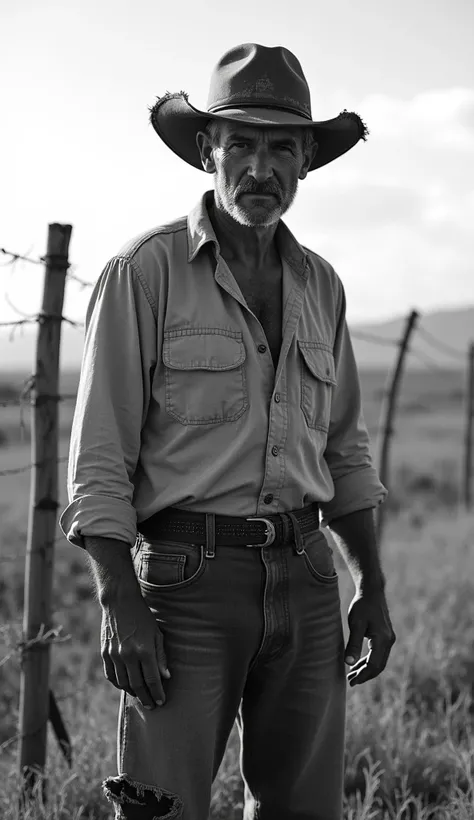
255, 75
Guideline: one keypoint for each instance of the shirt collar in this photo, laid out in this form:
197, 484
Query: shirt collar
200, 228
200, 231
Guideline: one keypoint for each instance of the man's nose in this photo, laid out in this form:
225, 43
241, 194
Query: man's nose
260, 166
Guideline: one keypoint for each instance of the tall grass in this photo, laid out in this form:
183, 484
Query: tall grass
409, 740
409, 748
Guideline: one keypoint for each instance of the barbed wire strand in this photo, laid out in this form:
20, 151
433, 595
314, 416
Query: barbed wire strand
17, 256
16, 470
442, 346
43, 638
82, 282
71, 274
13, 559
22, 402
372, 337
428, 361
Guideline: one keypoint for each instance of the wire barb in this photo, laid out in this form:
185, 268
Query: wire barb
17, 256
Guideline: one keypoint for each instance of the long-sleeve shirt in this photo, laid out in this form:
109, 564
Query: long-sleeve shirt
179, 403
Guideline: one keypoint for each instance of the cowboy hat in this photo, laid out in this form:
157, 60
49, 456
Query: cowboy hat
254, 85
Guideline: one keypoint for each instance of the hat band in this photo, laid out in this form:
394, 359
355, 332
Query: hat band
247, 104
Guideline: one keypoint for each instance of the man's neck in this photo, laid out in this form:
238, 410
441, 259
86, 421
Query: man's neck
253, 248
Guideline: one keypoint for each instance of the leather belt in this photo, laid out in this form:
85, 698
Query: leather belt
253, 531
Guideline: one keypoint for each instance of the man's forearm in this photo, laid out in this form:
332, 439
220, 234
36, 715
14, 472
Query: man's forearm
112, 566
355, 537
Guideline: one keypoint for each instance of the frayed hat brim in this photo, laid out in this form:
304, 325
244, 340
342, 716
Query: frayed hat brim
177, 122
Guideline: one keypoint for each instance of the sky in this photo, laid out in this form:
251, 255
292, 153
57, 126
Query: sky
394, 215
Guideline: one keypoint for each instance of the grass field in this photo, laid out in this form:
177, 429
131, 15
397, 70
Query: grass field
409, 750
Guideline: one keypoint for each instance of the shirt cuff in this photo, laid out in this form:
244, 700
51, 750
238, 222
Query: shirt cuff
359, 490
99, 516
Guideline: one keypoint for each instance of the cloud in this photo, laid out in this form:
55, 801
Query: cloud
395, 214
431, 120
357, 204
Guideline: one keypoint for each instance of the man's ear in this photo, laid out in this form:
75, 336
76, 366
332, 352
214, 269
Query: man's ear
308, 159
205, 149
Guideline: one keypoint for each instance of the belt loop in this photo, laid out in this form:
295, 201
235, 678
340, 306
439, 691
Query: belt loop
210, 535
297, 534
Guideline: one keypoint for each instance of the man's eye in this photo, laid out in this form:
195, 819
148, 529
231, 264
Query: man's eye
239, 144
284, 147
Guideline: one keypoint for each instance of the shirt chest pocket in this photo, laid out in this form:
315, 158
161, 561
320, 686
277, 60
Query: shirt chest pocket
204, 376
318, 380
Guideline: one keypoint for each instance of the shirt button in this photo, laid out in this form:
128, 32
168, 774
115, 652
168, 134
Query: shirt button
268, 499
277, 397
262, 348
275, 451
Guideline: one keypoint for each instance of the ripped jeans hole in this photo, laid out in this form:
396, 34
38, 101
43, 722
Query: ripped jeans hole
137, 801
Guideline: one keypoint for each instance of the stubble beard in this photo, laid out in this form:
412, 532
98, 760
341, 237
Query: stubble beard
244, 216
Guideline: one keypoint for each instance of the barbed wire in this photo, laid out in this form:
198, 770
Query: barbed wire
16, 470
82, 282
43, 638
22, 402
16, 256
442, 346
13, 559
427, 360
71, 274
374, 339
25, 396
42, 318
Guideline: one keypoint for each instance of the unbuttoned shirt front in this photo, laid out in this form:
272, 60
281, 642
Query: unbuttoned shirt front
179, 403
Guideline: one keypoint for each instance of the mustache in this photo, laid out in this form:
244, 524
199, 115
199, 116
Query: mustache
263, 188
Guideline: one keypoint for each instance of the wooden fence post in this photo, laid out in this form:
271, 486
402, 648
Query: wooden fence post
34, 683
388, 413
469, 435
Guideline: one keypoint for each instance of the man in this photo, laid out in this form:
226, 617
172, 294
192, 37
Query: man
219, 415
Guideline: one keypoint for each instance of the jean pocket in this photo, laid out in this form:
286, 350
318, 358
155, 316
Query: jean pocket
318, 558
168, 565
318, 379
205, 378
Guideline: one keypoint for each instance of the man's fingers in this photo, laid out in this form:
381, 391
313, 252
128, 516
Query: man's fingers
358, 665
123, 680
152, 678
354, 645
109, 670
371, 665
161, 656
116, 674
139, 686
364, 673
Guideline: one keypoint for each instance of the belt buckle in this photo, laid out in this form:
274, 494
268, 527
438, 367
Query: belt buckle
270, 531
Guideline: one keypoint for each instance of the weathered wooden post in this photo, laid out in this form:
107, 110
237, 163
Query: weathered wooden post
388, 414
469, 433
34, 684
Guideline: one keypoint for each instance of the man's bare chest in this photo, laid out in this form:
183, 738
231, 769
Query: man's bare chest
264, 299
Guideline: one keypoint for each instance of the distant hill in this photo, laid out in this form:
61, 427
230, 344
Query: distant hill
453, 331
452, 328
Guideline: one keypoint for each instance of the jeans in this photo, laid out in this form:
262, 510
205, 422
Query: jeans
253, 635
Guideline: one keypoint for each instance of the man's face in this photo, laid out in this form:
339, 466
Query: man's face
257, 171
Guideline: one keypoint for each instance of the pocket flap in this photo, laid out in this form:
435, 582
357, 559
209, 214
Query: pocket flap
203, 351
319, 360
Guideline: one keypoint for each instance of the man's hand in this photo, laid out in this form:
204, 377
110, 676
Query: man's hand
368, 618
131, 641
132, 650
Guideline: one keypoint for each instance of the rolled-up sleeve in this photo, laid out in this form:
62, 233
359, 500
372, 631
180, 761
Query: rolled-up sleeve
356, 482
113, 396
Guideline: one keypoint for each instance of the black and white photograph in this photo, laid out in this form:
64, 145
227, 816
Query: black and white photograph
237, 410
